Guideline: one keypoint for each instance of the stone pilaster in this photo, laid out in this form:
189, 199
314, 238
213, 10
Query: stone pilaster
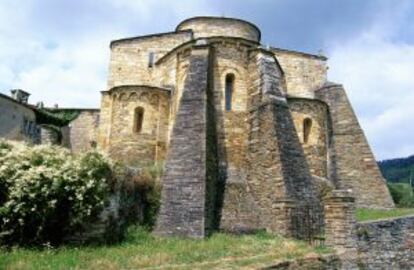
352, 164
340, 220
285, 211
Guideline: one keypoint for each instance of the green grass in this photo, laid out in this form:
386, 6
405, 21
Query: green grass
142, 250
363, 214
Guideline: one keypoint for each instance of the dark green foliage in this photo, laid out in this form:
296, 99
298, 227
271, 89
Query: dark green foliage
141, 195
402, 194
150, 190
397, 170
65, 114
56, 117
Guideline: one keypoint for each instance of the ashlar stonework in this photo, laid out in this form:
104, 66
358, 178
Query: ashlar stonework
246, 133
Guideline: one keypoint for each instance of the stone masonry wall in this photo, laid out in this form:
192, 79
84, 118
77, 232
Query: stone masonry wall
105, 121
339, 208
316, 147
130, 57
385, 244
124, 142
82, 134
229, 58
238, 210
303, 73
183, 196
278, 177
352, 164
49, 135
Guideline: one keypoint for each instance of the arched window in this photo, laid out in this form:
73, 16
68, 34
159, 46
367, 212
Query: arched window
229, 88
307, 126
138, 119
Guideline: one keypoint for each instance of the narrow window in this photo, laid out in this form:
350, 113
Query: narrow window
307, 126
151, 58
138, 119
229, 87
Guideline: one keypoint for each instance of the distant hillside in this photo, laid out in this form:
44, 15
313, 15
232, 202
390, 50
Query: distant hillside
397, 170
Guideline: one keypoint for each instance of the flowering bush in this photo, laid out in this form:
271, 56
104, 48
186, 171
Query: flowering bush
47, 194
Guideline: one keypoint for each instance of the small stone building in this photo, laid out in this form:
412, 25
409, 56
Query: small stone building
17, 118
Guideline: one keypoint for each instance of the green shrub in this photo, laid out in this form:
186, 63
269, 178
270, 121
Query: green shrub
142, 194
48, 194
150, 188
402, 194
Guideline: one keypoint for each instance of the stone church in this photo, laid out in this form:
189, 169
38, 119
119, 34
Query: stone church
247, 133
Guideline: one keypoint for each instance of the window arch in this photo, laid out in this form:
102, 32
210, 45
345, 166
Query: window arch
138, 119
229, 89
307, 126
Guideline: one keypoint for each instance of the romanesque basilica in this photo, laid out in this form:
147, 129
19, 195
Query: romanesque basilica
262, 125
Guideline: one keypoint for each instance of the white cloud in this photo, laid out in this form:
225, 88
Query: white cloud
68, 66
69, 76
377, 72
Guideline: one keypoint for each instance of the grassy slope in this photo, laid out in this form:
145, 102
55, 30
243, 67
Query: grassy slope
363, 214
141, 250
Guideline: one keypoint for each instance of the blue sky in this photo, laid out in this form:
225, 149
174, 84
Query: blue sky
58, 50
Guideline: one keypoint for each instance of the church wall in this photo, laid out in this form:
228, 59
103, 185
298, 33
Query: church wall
130, 58
230, 58
352, 164
181, 63
279, 179
125, 143
81, 134
238, 211
166, 73
315, 148
303, 73
104, 129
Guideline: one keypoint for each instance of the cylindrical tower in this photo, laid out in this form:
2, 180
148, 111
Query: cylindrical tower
138, 124
220, 26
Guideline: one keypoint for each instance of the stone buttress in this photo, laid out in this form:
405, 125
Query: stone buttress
183, 206
351, 162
